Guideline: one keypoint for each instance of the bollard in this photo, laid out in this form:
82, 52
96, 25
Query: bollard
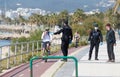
54, 57
31, 68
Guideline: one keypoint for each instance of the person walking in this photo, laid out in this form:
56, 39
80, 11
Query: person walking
95, 38
111, 41
76, 38
66, 38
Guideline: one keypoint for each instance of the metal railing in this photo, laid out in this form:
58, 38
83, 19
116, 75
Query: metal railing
14, 54
18, 49
53, 57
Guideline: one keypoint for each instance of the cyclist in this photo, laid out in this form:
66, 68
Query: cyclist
46, 39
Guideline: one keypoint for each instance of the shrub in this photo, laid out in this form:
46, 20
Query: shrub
83, 43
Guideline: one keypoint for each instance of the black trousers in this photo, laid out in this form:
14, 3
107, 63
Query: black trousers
110, 50
64, 47
92, 45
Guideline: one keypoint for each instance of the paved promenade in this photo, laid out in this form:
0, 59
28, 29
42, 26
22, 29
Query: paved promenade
92, 68
56, 68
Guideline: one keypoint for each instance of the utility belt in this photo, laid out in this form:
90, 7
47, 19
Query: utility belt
95, 40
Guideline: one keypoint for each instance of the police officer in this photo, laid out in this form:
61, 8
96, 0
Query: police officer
95, 38
66, 38
111, 41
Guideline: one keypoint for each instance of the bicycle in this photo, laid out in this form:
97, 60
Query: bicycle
46, 46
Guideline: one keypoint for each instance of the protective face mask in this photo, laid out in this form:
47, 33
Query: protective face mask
96, 28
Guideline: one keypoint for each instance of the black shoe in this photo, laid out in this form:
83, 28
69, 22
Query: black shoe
45, 60
109, 61
89, 58
96, 59
113, 61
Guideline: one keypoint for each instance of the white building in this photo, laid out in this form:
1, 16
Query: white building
11, 14
94, 11
25, 12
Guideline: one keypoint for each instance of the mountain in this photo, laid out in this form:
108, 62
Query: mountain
57, 5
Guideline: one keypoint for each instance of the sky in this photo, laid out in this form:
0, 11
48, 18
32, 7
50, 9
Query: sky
57, 5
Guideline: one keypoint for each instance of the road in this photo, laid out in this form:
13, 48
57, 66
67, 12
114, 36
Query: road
39, 67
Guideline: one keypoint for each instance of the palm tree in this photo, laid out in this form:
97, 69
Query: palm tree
108, 17
117, 4
116, 14
8, 20
53, 20
22, 20
112, 18
36, 19
64, 15
78, 16
39, 19
45, 19
31, 20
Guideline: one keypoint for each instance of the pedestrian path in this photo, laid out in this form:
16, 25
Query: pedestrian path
93, 68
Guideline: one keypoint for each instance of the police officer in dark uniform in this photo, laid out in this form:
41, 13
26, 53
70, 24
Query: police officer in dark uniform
111, 41
95, 38
66, 38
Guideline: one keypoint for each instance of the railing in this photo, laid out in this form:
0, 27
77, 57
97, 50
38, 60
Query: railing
14, 54
53, 57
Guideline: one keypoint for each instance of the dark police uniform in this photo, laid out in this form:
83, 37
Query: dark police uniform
111, 40
66, 38
95, 38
